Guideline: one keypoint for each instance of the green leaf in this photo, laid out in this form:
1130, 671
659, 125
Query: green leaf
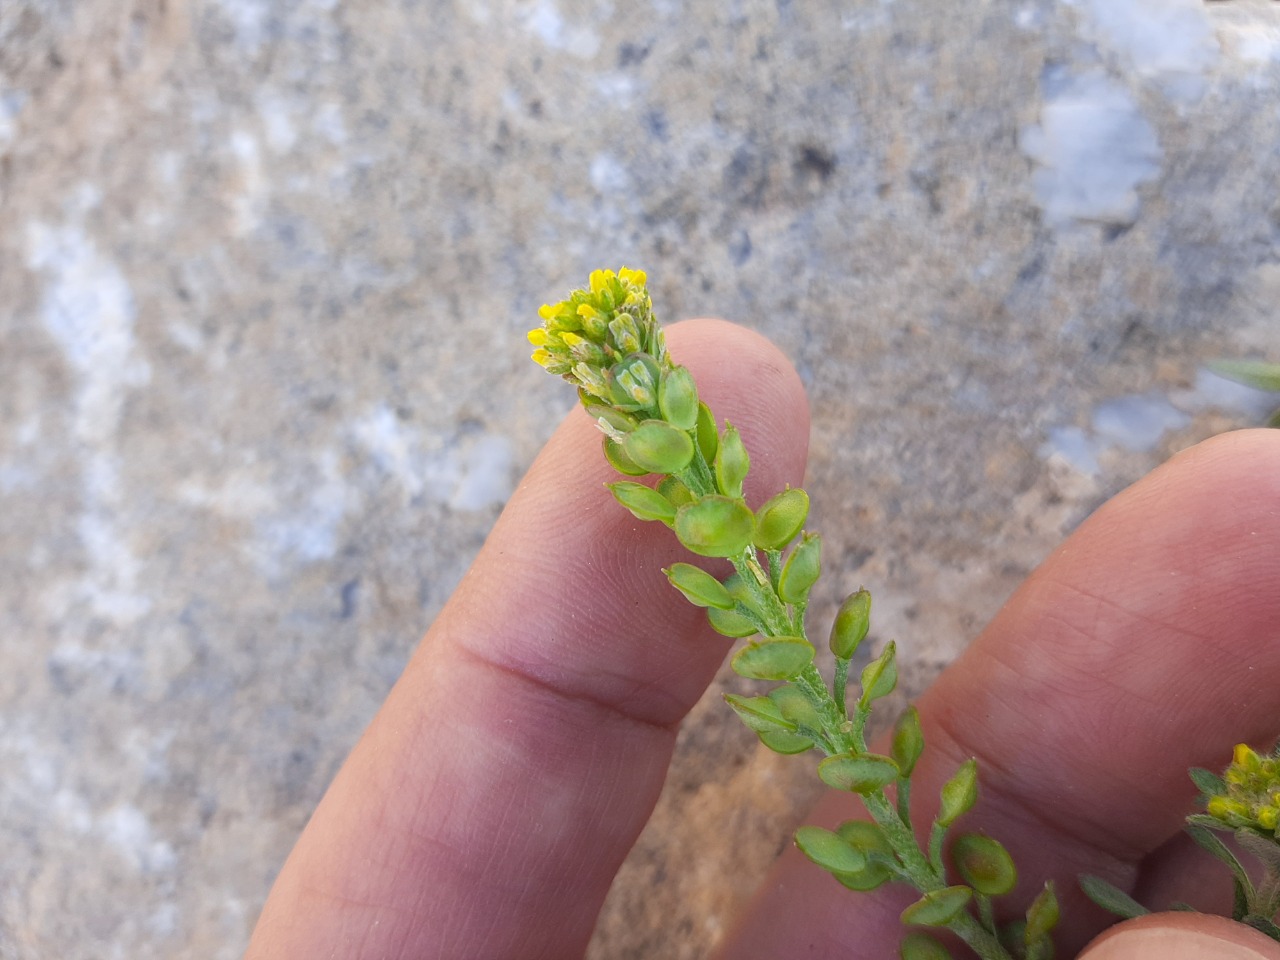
1110, 897
921, 946
781, 518
759, 713
959, 793
851, 624
1252, 373
829, 850
787, 744
619, 460
643, 502
678, 398
1273, 420
908, 741
1042, 916
775, 658
802, 569
937, 908
1262, 925
732, 462
731, 623
715, 526
659, 447
708, 438
1208, 782
864, 773
880, 676
1208, 822
699, 587
1210, 842
984, 864
796, 707
1264, 847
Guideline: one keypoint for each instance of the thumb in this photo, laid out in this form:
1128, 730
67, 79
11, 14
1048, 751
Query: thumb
1181, 936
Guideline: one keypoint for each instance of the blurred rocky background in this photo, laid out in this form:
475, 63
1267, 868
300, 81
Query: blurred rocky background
265, 269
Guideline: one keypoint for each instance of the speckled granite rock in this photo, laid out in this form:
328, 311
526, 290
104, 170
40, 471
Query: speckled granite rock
264, 271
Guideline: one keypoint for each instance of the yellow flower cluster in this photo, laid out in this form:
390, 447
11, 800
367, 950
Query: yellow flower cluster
1252, 797
605, 341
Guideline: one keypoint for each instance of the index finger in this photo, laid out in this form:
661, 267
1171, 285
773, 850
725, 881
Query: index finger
487, 807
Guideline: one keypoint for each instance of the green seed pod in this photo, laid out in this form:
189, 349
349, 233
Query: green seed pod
880, 676
908, 740
737, 587
740, 589
795, 706
781, 518
1011, 935
699, 587
937, 908
829, 850
984, 864
802, 569
870, 839
730, 623
708, 438
618, 422
787, 744
776, 658
618, 459
851, 624
714, 526
678, 398
659, 447
921, 946
1042, 917
732, 462
871, 877
759, 713
864, 773
643, 502
675, 491
867, 837
959, 793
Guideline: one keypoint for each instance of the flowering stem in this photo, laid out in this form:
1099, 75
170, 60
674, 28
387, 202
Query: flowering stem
604, 341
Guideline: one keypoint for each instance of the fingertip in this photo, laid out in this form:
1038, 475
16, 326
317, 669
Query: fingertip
1181, 936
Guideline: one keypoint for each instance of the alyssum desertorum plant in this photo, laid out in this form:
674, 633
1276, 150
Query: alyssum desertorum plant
604, 340
1245, 804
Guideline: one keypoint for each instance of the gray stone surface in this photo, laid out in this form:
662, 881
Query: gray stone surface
264, 271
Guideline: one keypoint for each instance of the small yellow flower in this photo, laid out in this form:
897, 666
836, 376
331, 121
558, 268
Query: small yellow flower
1252, 796
604, 340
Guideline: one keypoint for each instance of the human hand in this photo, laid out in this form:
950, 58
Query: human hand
486, 809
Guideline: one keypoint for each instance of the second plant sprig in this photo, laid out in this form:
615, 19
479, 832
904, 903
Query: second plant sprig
604, 340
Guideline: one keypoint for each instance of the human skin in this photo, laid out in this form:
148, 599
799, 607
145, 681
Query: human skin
487, 807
